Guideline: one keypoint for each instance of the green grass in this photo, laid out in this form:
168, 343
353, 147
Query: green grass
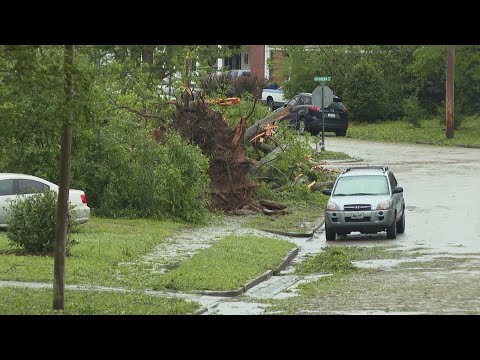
103, 245
227, 265
305, 208
302, 218
430, 132
25, 301
333, 155
339, 258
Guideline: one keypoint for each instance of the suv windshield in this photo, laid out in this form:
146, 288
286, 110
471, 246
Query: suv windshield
361, 185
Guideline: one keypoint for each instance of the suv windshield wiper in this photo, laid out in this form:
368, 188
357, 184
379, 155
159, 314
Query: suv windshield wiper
354, 194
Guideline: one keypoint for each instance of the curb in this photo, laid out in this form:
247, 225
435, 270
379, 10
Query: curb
222, 293
422, 143
265, 276
296, 234
286, 261
319, 226
454, 145
285, 233
201, 311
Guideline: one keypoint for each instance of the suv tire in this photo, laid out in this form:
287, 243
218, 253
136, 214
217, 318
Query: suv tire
392, 231
330, 234
340, 133
401, 223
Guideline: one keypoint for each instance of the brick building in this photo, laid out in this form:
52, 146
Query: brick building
262, 60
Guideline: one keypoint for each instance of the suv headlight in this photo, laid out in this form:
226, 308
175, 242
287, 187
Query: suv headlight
331, 206
383, 205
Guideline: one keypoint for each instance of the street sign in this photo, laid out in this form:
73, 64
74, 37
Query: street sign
322, 78
317, 96
322, 96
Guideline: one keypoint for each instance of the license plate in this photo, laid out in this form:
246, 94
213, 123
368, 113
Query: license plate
357, 216
331, 115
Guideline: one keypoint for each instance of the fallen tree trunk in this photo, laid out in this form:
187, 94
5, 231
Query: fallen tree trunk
272, 205
260, 125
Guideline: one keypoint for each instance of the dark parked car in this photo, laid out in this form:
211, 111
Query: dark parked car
303, 116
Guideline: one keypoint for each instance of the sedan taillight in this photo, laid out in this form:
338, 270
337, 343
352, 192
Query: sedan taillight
84, 198
314, 108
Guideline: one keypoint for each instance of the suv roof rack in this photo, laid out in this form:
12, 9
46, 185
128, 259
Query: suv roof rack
383, 168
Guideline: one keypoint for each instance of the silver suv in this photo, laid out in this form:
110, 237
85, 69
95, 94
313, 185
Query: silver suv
365, 199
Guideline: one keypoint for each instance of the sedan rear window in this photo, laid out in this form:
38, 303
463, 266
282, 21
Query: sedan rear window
6, 187
361, 185
31, 186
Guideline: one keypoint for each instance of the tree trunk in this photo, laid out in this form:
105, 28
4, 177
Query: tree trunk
64, 186
450, 102
259, 126
147, 54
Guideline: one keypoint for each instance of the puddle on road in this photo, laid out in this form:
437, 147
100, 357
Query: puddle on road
363, 312
385, 264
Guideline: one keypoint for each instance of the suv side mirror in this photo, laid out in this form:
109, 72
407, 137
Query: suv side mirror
327, 192
397, 190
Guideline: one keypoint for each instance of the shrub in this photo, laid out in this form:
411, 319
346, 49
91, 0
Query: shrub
127, 174
32, 221
248, 84
182, 180
413, 112
215, 83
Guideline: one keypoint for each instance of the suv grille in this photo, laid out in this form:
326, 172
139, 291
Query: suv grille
357, 207
365, 219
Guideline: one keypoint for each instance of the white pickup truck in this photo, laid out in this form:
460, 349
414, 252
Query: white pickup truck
273, 98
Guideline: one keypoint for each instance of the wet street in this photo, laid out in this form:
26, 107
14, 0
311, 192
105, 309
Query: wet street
441, 191
442, 225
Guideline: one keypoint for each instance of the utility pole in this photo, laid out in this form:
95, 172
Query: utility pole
63, 186
449, 103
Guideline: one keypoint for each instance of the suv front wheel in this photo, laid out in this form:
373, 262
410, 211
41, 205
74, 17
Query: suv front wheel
392, 231
330, 234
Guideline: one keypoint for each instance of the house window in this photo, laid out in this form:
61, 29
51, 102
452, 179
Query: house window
245, 59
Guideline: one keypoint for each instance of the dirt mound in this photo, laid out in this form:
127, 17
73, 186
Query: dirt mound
229, 165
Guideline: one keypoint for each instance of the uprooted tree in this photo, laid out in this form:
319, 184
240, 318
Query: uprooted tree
201, 125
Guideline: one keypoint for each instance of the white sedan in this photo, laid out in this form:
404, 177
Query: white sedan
13, 185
